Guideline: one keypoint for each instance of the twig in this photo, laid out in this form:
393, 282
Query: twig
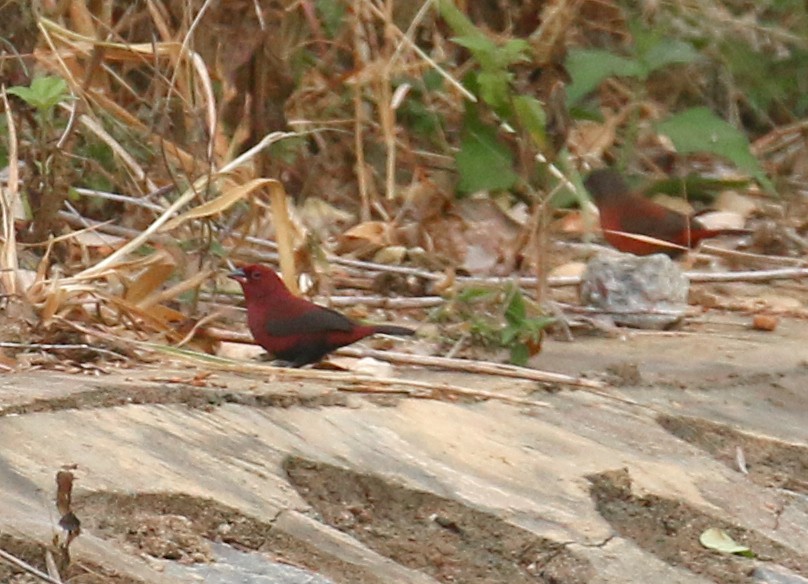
471, 366
792, 273
466, 365
387, 301
751, 258
592, 310
434, 390
22, 565
749, 276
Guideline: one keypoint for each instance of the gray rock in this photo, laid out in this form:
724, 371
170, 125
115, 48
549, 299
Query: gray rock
774, 574
236, 567
648, 292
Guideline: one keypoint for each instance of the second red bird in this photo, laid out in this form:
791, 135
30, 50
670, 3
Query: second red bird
623, 214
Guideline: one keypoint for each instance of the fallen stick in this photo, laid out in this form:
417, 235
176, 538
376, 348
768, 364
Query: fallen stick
450, 364
471, 366
749, 276
25, 566
376, 384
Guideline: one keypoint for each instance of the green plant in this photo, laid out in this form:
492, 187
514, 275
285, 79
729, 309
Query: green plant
692, 130
499, 318
43, 94
650, 52
46, 166
486, 162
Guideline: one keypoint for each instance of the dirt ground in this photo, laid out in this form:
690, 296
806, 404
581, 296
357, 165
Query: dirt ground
445, 537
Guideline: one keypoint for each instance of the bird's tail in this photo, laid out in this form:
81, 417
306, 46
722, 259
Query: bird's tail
732, 231
391, 329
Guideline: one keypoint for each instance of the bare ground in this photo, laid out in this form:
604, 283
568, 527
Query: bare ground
587, 490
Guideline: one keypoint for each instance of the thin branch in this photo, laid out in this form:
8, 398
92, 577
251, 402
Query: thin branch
471, 366
22, 565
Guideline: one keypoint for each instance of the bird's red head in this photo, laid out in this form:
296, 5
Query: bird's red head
258, 281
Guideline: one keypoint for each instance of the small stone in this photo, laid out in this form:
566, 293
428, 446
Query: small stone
647, 292
765, 322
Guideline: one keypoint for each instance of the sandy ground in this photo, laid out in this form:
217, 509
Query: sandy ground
361, 488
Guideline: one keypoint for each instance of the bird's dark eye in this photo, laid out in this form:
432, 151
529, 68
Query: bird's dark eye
255, 275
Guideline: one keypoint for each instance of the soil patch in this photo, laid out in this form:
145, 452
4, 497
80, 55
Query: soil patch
670, 530
445, 539
179, 527
769, 462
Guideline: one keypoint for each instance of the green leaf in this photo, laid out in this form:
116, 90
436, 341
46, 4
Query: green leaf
332, 13
484, 163
43, 93
588, 67
520, 353
532, 118
480, 46
516, 312
720, 541
471, 294
495, 88
433, 80
700, 130
535, 325
421, 120
655, 49
513, 51
509, 335
457, 21
666, 52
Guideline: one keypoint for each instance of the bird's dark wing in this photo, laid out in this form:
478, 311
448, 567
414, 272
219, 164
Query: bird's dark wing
654, 220
317, 320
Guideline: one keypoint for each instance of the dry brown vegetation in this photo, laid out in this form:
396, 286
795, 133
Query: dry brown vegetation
328, 138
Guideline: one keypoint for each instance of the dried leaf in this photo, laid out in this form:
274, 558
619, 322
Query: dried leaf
149, 281
569, 269
368, 235
391, 255
720, 541
735, 202
221, 203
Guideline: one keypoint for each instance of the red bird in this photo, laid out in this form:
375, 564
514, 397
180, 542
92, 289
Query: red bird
630, 213
293, 329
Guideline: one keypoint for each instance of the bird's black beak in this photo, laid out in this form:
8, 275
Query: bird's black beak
238, 275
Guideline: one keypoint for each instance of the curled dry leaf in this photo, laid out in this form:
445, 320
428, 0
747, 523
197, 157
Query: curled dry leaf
366, 238
590, 140
719, 540
321, 216
391, 255
569, 269
722, 220
736, 203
